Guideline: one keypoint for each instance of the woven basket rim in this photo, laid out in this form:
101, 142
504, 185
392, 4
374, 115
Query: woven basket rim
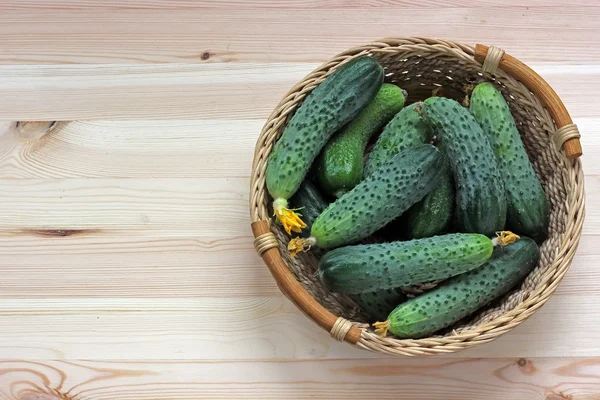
490, 60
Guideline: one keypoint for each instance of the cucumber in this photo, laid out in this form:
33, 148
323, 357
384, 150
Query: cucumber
332, 104
365, 268
464, 294
480, 198
310, 203
405, 130
340, 165
527, 206
380, 303
432, 215
377, 200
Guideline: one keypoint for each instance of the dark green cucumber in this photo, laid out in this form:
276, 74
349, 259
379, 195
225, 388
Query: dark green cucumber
527, 206
405, 130
480, 198
365, 268
332, 104
310, 204
340, 165
380, 303
377, 200
432, 215
463, 294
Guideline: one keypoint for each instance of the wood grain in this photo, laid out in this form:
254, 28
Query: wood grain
120, 203
208, 91
169, 264
273, 4
160, 149
153, 264
251, 328
240, 91
448, 379
132, 149
116, 204
147, 35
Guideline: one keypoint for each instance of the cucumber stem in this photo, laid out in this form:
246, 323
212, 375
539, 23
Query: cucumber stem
438, 92
504, 238
381, 328
466, 101
296, 245
468, 89
287, 217
419, 109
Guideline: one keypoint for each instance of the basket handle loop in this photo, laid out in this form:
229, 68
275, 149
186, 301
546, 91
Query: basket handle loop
567, 134
266, 244
492, 60
340, 329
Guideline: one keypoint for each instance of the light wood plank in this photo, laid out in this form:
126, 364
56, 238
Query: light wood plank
132, 149
274, 4
456, 379
131, 264
241, 91
162, 149
167, 329
254, 328
209, 91
40, 35
218, 206
170, 264
211, 205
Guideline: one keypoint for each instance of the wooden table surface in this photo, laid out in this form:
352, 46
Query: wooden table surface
128, 270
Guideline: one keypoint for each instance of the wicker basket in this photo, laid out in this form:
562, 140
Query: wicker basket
421, 65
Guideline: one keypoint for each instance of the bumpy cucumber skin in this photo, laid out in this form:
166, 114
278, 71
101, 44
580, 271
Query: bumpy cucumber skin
465, 294
379, 304
365, 268
405, 130
340, 165
527, 206
480, 197
380, 198
326, 109
432, 215
311, 203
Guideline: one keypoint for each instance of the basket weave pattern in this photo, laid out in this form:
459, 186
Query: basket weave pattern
421, 66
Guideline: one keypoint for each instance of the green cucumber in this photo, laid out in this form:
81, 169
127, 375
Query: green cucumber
379, 304
377, 200
463, 294
365, 268
405, 130
432, 215
340, 165
480, 198
332, 104
527, 206
311, 203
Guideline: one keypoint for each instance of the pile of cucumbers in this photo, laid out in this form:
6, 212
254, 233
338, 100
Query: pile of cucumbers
449, 188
